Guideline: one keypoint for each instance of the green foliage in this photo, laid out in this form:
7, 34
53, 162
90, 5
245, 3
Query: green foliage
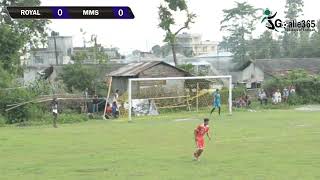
78, 77
315, 42
5, 78
156, 50
79, 57
2, 121
294, 8
265, 47
307, 87
237, 92
15, 34
20, 114
187, 67
71, 118
239, 23
167, 21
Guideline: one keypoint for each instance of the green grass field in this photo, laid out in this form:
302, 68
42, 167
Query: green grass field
277, 144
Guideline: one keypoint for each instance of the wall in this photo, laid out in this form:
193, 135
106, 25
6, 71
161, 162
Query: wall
63, 43
252, 74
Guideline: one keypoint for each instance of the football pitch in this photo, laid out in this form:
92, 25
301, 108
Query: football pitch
273, 144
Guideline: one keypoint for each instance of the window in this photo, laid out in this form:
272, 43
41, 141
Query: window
38, 60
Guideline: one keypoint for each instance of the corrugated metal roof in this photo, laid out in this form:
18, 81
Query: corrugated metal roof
312, 65
133, 69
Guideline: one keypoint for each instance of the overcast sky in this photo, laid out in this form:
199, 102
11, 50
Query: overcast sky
143, 32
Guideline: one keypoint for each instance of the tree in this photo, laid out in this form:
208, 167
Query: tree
100, 56
136, 52
5, 79
304, 49
187, 67
79, 57
239, 23
18, 35
156, 50
315, 42
265, 47
294, 8
78, 77
167, 22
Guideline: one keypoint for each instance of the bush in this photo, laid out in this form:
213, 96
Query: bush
307, 87
71, 118
2, 121
20, 114
237, 92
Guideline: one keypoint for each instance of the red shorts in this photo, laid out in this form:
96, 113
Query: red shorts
200, 143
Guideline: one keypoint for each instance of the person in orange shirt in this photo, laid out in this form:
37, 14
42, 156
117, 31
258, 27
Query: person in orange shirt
199, 132
108, 111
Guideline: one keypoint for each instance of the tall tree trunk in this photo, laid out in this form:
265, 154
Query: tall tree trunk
173, 47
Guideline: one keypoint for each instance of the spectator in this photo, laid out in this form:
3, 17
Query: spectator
108, 111
54, 108
274, 100
292, 90
285, 94
247, 100
115, 110
276, 97
95, 102
264, 97
116, 96
260, 96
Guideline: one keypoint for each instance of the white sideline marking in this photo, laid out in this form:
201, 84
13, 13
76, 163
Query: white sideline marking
309, 108
258, 138
180, 120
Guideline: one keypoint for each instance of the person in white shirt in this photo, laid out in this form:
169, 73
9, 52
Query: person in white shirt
278, 96
54, 108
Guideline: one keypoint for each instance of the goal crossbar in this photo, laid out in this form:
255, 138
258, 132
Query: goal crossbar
229, 77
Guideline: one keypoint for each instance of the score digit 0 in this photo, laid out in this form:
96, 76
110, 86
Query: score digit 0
59, 12
120, 12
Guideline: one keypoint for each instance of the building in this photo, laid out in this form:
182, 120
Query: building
59, 50
151, 69
254, 73
193, 44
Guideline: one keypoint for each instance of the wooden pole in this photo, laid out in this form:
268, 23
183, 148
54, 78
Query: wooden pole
197, 97
108, 95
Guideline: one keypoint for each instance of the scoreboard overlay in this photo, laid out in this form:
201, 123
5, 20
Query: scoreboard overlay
71, 12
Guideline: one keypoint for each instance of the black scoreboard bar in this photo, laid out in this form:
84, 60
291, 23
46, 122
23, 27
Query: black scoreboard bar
71, 12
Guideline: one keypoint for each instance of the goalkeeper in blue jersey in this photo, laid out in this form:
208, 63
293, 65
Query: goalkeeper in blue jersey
216, 101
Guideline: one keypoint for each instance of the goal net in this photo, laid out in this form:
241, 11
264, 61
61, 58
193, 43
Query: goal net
156, 96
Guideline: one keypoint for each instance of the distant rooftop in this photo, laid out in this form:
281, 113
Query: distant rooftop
216, 54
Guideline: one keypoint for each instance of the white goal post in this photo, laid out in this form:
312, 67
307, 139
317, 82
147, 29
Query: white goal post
131, 80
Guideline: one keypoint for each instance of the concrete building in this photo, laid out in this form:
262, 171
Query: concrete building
192, 43
59, 50
254, 73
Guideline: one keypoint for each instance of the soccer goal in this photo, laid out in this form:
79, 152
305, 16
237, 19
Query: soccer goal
154, 96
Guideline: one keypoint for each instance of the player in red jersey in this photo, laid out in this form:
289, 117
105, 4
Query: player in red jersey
199, 133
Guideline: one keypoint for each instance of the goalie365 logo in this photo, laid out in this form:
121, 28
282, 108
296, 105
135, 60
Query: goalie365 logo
292, 25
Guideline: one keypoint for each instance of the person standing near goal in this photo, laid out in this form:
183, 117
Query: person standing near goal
199, 132
216, 101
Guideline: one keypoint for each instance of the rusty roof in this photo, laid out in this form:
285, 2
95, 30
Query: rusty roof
275, 66
133, 69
